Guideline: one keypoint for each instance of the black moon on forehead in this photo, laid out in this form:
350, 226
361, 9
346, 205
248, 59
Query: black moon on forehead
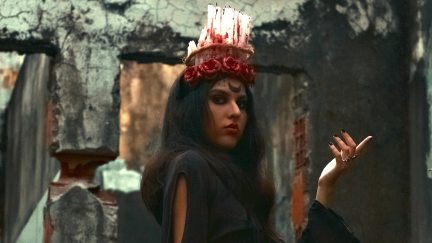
234, 88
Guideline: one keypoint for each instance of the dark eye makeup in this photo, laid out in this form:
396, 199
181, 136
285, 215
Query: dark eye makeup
218, 99
242, 103
221, 98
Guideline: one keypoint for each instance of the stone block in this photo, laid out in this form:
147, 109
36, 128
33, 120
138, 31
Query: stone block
86, 102
79, 216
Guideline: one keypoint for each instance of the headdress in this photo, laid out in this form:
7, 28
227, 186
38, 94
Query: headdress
223, 48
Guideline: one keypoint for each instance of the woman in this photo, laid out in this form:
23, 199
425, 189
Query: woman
205, 183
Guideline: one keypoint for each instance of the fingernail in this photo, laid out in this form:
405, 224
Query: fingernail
330, 143
343, 130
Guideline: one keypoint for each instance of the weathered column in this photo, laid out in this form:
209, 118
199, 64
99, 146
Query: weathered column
420, 120
85, 108
81, 112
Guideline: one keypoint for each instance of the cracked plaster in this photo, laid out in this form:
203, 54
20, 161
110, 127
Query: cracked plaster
362, 15
31, 18
89, 37
54, 20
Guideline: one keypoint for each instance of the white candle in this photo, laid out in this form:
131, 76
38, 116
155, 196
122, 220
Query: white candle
241, 29
244, 23
202, 37
249, 30
229, 25
210, 15
217, 21
223, 22
220, 20
235, 27
192, 47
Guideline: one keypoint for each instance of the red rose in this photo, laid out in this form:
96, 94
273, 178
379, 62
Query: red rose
210, 68
231, 65
190, 74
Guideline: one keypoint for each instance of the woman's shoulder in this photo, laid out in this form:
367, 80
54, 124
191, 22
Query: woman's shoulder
192, 165
189, 161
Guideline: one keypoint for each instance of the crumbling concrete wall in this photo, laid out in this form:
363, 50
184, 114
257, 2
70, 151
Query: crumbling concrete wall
355, 54
80, 35
358, 81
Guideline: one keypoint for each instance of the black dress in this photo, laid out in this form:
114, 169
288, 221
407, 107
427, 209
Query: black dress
214, 215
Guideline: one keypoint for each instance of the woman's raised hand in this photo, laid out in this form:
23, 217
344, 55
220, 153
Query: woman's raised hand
345, 151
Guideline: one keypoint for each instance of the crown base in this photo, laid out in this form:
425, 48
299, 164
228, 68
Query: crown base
218, 50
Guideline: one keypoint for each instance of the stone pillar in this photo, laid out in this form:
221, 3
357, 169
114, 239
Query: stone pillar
85, 116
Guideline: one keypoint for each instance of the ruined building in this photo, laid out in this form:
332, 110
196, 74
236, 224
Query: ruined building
84, 113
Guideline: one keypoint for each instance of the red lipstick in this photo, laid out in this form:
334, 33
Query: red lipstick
232, 129
232, 126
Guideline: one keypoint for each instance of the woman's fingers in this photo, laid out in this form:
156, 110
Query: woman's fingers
350, 142
335, 152
339, 162
363, 145
345, 149
348, 147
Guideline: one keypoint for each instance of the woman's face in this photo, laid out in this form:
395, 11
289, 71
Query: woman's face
226, 120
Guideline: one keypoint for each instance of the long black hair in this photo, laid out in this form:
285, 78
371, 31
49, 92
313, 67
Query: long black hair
240, 168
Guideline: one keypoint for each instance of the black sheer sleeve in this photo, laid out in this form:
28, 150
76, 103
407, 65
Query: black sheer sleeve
196, 171
325, 226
